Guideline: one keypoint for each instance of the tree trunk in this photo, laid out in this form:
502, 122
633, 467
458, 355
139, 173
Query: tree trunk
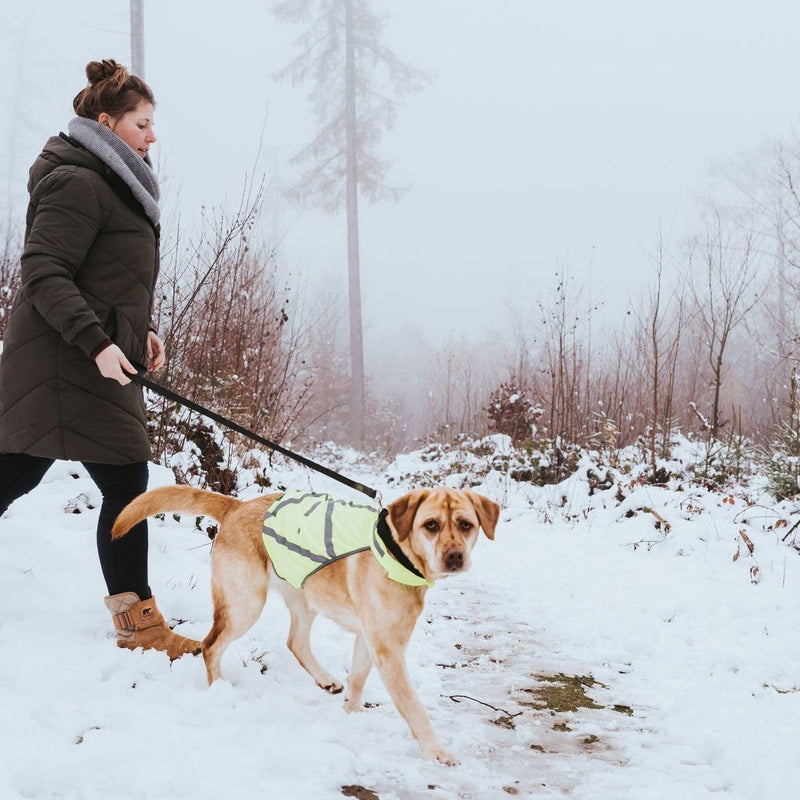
137, 38
353, 268
783, 286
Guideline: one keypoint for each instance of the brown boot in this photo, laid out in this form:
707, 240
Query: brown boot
139, 623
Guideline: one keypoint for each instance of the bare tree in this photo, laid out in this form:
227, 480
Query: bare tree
562, 362
342, 53
766, 199
722, 279
782, 209
456, 392
661, 321
137, 38
615, 392
24, 107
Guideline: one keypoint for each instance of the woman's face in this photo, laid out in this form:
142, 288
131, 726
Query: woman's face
135, 128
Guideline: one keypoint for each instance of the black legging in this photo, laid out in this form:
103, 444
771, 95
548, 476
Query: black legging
124, 562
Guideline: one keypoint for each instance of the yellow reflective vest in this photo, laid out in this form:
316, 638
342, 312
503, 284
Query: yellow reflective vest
305, 531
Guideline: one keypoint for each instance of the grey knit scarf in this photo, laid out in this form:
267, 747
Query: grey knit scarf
135, 171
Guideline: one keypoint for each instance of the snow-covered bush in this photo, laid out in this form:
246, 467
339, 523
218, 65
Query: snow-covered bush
511, 412
781, 459
783, 462
469, 461
195, 450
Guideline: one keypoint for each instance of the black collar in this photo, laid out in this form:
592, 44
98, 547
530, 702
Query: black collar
386, 537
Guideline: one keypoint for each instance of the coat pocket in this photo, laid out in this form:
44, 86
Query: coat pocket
133, 344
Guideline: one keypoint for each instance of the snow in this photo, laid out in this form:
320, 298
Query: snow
638, 587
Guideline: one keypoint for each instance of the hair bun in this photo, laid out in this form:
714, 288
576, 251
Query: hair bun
107, 69
112, 89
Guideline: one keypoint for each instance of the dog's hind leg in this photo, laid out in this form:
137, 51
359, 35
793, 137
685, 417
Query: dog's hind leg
299, 640
239, 589
359, 671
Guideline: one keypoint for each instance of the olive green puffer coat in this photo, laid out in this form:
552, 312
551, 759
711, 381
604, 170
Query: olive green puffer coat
89, 267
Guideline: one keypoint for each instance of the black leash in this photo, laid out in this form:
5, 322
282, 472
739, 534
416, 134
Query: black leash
190, 404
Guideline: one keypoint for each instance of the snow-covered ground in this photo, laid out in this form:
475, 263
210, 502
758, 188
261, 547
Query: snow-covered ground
684, 660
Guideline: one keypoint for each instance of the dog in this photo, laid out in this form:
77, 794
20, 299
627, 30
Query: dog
374, 590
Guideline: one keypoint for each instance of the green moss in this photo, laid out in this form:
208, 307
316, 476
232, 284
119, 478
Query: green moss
562, 693
623, 710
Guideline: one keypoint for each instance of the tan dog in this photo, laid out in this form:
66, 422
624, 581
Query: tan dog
434, 530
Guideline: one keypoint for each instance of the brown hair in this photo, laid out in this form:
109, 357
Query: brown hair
112, 89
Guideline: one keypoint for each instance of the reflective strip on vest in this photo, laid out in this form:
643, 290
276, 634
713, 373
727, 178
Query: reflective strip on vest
305, 531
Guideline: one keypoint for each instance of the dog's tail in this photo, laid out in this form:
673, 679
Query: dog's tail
173, 498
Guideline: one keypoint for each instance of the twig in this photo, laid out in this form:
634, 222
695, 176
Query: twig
650, 543
667, 526
745, 511
457, 698
791, 530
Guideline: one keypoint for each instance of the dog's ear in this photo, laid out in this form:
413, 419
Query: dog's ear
487, 510
403, 510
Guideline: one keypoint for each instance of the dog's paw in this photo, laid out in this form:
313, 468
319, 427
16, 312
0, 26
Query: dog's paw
441, 755
332, 687
353, 706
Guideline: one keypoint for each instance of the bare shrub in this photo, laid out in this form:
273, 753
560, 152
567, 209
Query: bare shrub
660, 319
10, 252
455, 387
234, 334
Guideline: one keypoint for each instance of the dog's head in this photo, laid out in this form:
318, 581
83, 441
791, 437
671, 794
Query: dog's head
441, 526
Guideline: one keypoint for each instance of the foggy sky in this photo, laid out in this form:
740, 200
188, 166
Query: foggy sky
553, 135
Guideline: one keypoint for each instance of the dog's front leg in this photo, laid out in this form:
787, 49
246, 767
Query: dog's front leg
359, 672
392, 668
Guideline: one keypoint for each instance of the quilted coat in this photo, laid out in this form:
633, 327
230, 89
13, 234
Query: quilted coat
89, 266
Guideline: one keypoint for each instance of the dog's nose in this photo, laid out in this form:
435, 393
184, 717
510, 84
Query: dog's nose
454, 559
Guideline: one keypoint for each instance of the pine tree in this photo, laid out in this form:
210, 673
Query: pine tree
783, 460
356, 81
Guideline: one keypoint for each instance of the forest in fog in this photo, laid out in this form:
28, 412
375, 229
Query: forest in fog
703, 344
707, 348
543, 255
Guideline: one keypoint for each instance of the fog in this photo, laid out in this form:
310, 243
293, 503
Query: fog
552, 137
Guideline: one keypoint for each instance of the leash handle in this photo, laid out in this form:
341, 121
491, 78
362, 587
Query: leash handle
196, 407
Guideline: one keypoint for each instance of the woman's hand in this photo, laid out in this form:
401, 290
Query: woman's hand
112, 364
156, 355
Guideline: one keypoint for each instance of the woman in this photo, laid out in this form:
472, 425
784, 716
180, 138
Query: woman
81, 324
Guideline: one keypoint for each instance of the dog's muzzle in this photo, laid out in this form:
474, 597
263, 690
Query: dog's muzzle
453, 559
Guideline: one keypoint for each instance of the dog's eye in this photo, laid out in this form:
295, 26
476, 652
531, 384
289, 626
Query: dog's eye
465, 525
432, 526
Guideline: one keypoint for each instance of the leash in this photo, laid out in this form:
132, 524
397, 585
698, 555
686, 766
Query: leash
190, 404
